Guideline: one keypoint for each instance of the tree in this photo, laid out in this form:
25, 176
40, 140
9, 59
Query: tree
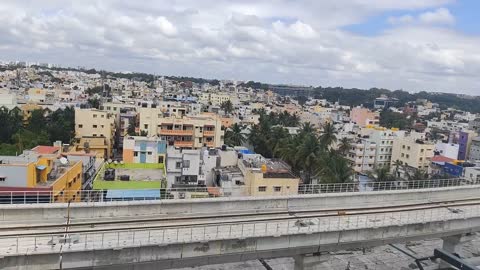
345, 144
328, 137
37, 121
94, 103
307, 156
131, 128
333, 168
227, 107
234, 136
381, 174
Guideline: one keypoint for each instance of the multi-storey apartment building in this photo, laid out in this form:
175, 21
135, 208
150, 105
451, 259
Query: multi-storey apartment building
413, 152
475, 149
362, 155
465, 138
185, 132
383, 139
95, 130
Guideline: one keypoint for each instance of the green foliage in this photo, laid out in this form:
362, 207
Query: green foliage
94, 103
234, 135
39, 130
97, 90
391, 119
306, 152
255, 85
227, 107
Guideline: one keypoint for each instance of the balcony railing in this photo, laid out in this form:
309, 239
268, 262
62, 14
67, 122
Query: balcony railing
208, 133
176, 132
35, 197
183, 143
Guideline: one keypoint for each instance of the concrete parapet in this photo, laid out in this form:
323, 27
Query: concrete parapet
333, 201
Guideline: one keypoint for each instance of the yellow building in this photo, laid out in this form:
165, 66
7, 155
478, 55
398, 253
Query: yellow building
95, 130
215, 99
266, 177
185, 132
41, 177
412, 152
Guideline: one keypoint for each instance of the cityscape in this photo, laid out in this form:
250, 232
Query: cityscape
109, 169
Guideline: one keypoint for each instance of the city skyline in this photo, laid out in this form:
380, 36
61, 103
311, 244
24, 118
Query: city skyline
426, 45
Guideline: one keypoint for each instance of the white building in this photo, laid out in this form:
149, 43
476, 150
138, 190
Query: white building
449, 150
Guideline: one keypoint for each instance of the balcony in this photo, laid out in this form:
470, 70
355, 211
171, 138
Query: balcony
183, 143
178, 132
208, 133
210, 144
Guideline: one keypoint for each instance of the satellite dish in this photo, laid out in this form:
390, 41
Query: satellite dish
110, 160
63, 160
121, 162
115, 162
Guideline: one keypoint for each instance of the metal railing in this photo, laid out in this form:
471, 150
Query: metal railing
122, 238
34, 197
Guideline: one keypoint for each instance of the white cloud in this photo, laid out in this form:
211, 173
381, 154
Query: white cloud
278, 41
439, 16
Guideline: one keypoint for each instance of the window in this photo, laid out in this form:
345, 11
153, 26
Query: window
94, 126
80, 126
146, 126
102, 126
103, 116
94, 135
186, 163
94, 116
135, 154
178, 165
262, 189
149, 153
277, 189
3, 178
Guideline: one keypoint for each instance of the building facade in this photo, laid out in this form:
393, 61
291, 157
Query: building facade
186, 132
475, 149
362, 155
413, 152
95, 130
140, 149
364, 117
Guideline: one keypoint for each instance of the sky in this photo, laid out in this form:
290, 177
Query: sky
415, 45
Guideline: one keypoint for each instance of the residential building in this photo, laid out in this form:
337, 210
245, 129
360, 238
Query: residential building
185, 132
449, 150
214, 98
141, 149
89, 168
265, 177
50, 178
413, 152
474, 125
95, 131
362, 155
383, 139
465, 138
183, 168
363, 116
475, 149
472, 174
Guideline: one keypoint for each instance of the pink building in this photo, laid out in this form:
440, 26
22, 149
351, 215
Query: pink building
364, 117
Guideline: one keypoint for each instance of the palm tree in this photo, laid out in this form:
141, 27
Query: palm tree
276, 136
344, 145
307, 155
333, 168
307, 128
397, 164
328, 137
234, 135
381, 174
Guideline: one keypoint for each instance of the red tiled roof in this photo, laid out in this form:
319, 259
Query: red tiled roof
441, 159
44, 149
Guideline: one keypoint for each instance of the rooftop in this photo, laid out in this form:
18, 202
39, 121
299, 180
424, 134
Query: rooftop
44, 149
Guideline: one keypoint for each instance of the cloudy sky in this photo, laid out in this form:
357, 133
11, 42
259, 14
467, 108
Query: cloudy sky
431, 45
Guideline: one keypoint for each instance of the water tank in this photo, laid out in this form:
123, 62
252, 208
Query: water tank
264, 168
